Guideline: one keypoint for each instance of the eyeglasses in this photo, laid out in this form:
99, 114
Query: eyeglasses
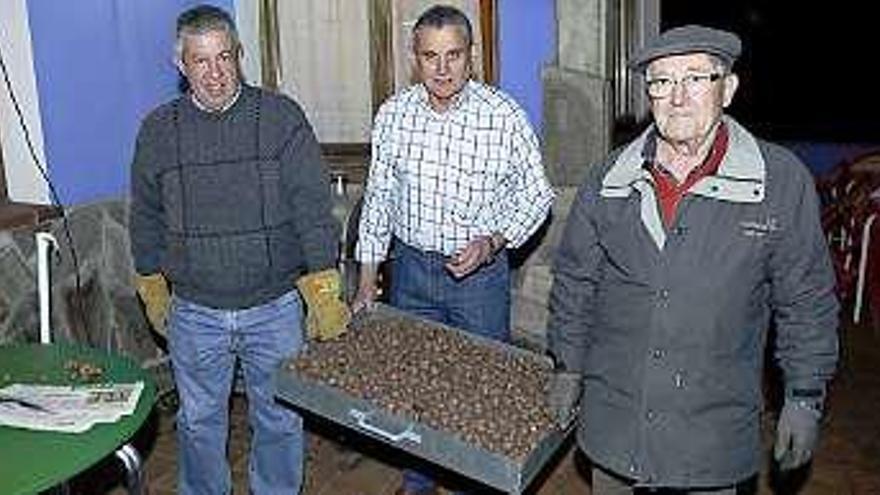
692, 84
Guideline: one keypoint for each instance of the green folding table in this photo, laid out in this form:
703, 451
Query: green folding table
32, 461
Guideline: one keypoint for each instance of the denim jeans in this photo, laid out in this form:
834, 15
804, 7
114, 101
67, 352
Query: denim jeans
205, 344
478, 303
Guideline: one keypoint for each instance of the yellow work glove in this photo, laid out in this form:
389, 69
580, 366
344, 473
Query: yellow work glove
327, 315
153, 291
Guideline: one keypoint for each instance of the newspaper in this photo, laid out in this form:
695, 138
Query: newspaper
65, 408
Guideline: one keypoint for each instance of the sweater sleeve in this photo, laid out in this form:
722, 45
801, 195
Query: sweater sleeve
146, 215
307, 187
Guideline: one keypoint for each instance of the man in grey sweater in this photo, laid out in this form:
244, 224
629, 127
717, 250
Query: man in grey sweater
679, 253
231, 209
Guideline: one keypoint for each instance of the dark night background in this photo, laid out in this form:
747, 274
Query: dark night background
807, 72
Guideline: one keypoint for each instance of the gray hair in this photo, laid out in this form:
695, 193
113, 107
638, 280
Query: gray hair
440, 16
202, 19
721, 65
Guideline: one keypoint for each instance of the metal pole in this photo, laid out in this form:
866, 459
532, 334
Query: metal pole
45, 244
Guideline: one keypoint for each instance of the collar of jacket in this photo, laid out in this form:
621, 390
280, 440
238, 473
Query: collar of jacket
740, 177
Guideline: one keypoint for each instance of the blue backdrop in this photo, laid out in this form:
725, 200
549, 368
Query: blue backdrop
526, 42
100, 66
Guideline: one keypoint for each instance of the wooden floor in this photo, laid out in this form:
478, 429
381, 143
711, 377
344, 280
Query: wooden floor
848, 461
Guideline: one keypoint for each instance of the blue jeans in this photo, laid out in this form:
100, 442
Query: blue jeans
204, 344
478, 303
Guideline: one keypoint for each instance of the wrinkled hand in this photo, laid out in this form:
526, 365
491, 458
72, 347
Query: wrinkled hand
154, 294
563, 395
368, 289
797, 433
476, 253
364, 299
327, 315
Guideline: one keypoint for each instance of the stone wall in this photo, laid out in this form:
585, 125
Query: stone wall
532, 277
577, 123
98, 306
577, 90
95, 304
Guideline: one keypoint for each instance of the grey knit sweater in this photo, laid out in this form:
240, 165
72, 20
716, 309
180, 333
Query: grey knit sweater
233, 206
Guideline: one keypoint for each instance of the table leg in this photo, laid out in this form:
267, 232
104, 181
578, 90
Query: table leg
132, 461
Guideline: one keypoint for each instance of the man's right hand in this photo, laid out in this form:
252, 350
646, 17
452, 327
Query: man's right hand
363, 300
563, 395
368, 290
154, 294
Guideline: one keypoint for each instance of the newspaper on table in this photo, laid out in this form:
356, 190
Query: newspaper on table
69, 409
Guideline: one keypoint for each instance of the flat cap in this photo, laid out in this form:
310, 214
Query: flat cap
692, 38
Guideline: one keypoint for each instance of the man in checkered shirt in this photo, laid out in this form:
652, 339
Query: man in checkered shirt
456, 178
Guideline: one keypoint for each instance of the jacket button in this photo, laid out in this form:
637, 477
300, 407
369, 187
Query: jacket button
657, 353
650, 415
679, 380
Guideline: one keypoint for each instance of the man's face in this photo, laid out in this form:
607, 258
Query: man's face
209, 61
442, 63
691, 93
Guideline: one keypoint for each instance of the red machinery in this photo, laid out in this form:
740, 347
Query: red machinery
850, 210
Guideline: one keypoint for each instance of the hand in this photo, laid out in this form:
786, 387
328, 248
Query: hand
563, 395
368, 290
797, 433
153, 292
327, 315
477, 252
364, 299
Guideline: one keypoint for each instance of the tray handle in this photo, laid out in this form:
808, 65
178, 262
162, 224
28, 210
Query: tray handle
408, 434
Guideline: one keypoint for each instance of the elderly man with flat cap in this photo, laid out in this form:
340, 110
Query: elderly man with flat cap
681, 252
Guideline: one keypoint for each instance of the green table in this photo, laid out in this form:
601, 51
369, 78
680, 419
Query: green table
32, 461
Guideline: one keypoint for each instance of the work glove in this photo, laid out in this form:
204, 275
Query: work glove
796, 433
153, 292
563, 394
327, 316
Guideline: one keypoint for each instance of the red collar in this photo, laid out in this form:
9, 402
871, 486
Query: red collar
670, 191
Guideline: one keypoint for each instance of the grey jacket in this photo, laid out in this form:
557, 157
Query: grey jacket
668, 325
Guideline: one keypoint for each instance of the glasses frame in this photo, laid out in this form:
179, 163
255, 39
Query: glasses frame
694, 84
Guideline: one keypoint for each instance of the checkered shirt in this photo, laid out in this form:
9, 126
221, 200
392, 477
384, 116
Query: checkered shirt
438, 180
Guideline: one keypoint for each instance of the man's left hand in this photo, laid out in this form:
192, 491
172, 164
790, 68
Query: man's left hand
797, 433
476, 253
328, 315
